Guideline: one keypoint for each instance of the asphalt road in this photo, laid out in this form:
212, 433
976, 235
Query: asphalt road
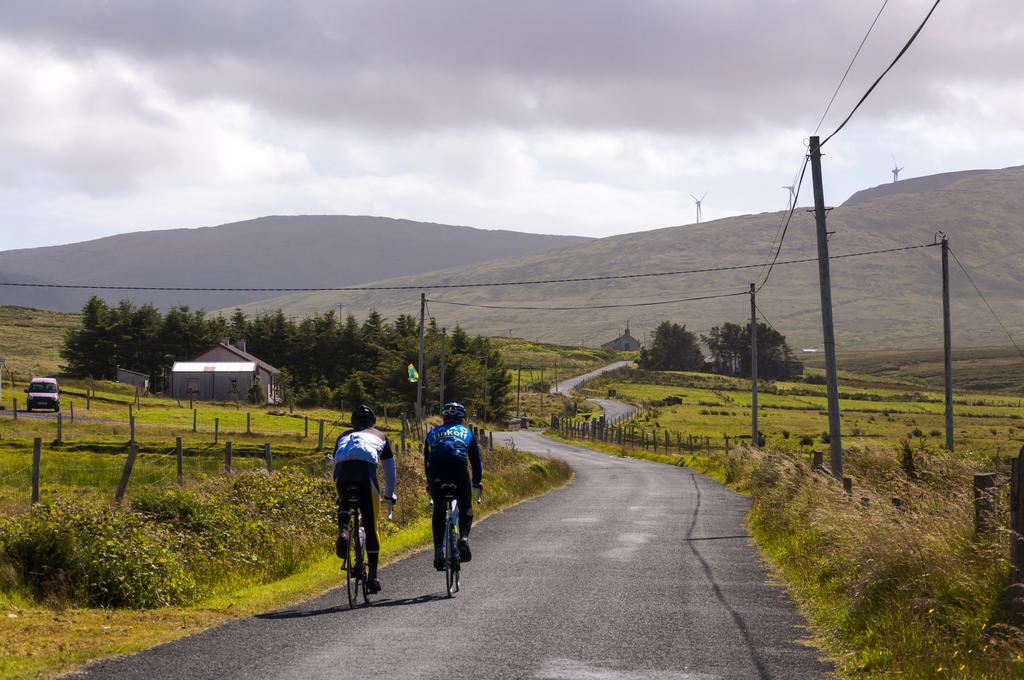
567, 386
615, 410
636, 570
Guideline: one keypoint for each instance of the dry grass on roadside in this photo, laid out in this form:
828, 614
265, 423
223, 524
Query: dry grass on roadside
904, 590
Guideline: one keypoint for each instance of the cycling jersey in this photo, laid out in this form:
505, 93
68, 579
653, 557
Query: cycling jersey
453, 442
368, 445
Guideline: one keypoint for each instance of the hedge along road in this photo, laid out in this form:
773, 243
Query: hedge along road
636, 570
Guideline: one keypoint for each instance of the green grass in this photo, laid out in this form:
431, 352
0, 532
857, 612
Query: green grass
872, 414
30, 339
981, 369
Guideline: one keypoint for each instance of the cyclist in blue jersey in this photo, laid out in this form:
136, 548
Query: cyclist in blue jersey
446, 451
356, 455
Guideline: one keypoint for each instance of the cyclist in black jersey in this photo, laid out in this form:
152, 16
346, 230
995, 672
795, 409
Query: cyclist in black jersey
356, 455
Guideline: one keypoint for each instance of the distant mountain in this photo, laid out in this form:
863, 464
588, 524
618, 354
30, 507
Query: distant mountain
881, 301
295, 252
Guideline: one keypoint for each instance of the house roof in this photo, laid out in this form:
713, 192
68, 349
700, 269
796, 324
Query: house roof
213, 367
245, 356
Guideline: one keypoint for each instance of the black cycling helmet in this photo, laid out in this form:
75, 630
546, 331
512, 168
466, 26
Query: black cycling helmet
363, 416
453, 410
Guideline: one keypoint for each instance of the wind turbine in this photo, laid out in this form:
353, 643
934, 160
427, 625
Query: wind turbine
895, 171
792, 195
698, 202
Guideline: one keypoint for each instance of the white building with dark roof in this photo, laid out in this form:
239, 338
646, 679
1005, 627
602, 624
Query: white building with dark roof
224, 372
625, 342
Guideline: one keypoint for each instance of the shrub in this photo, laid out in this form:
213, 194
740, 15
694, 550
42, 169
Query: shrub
916, 432
255, 393
170, 547
806, 440
826, 438
785, 434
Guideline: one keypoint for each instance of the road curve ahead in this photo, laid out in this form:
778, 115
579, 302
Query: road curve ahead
567, 386
634, 571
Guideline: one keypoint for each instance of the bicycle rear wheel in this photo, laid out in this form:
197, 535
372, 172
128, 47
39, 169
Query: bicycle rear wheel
451, 574
353, 560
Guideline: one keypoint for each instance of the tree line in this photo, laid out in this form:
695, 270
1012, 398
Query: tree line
325, 360
674, 348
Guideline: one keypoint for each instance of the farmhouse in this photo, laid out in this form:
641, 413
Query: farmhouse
624, 342
224, 372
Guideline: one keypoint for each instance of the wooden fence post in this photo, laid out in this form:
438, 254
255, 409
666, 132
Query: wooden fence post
37, 452
984, 502
88, 400
131, 425
268, 457
178, 456
818, 459
216, 430
305, 420
195, 419
320, 437
1017, 518
227, 458
248, 422
72, 405
60, 428
126, 473
14, 407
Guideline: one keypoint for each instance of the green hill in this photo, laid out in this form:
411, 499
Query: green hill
883, 301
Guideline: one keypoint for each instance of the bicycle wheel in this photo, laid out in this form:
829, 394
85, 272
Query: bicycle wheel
450, 565
352, 563
363, 568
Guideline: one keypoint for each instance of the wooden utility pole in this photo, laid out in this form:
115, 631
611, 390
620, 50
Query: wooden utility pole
825, 286
519, 385
419, 367
487, 359
947, 342
755, 440
440, 380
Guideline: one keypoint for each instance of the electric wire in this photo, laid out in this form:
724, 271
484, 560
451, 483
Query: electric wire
884, 73
982, 296
766, 319
850, 66
586, 307
785, 226
493, 284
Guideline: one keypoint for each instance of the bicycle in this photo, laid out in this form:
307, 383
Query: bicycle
354, 562
450, 544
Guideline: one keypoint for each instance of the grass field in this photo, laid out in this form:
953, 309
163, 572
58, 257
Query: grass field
716, 406
975, 369
30, 339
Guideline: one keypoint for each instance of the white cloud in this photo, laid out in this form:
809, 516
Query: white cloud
531, 116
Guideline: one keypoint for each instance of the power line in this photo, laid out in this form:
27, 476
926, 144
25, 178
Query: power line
994, 315
847, 72
784, 227
494, 284
766, 320
886, 71
585, 307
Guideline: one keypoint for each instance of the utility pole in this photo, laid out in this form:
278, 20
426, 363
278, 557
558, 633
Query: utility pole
519, 385
947, 342
444, 337
755, 439
419, 383
825, 285
486, 358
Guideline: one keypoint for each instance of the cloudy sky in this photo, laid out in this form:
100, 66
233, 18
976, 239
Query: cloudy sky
588, 117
